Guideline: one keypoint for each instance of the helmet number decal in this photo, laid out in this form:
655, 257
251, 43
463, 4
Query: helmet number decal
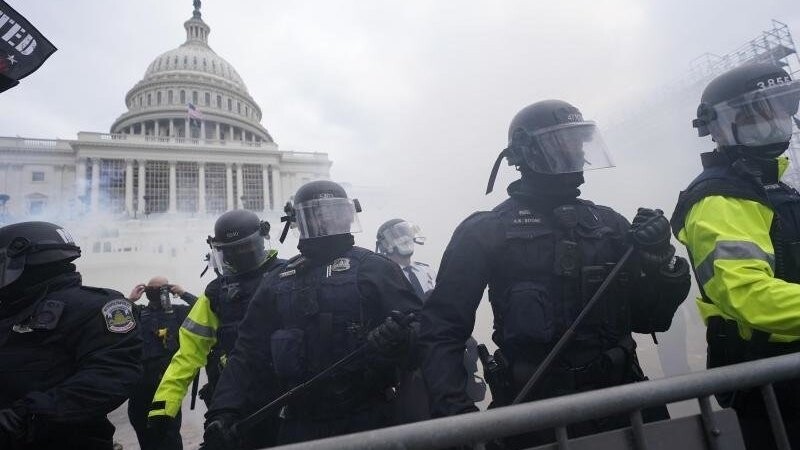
774, 82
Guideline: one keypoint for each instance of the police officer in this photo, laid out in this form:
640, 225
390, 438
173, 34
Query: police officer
159, 322
332, 299
70, 353
396, 239
240, 257
543, 252
741, 225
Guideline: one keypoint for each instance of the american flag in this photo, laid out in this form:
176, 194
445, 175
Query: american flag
194, 115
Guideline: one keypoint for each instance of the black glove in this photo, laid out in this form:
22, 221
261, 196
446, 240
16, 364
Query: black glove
219, 433
391, 336
650, 234
12, 425
158, 425
206, 393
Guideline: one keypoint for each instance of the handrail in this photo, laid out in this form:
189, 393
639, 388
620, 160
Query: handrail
559, 411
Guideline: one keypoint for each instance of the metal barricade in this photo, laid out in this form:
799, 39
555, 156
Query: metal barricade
708, 430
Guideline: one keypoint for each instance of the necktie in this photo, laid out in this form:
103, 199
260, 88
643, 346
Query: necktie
414, 282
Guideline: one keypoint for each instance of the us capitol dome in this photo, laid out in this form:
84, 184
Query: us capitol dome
191, 144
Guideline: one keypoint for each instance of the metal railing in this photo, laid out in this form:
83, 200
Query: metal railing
557, 413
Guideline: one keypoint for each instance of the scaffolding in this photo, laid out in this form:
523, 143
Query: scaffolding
774, 46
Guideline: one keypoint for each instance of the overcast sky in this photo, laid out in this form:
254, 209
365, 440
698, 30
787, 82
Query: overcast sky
410, 99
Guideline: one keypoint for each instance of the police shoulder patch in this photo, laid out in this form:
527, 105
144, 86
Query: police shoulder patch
118, 315
340, 265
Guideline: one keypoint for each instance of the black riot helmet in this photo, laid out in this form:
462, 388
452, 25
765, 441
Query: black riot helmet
398, 236
27, 244
750, 108
239, 242
321, 208
551, 137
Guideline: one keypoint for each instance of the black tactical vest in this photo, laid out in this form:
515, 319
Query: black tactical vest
742, 179
323, 317
553, 262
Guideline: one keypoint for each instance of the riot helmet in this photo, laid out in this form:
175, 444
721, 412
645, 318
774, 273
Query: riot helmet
750, 107
321, 208
27, 244
240, 242
551, 137
398, 236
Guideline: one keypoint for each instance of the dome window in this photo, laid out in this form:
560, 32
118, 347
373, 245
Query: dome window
170, 97
194, 97
205, 64
149, 99
183, 97
194, 62
185, 61
230, 105
247, 111
219, 101
176, 61
238, 107
208, 99
158, 98
214, 66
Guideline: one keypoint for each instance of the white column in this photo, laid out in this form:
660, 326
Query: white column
155, 129
142, 186
239, 187
172, 188
265, 184
216, 135
95, 184
202, 129
80, 179
201, 187
277, 188
171, 128
142, 128
230, 132
187, 133
229, 186
129, 186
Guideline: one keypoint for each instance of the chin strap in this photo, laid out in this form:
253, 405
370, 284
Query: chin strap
495, 168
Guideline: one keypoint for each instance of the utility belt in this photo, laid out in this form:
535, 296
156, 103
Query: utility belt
727, 347
574, 373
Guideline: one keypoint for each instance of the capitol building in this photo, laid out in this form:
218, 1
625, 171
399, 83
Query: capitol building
191, 144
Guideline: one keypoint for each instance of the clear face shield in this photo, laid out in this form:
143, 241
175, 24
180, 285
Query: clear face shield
12, 264
757, 118
326, 217
400, 238
239, 256
566, 148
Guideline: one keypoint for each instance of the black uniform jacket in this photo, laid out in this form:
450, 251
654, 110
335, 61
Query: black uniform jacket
485, 251
68, 359
382, 286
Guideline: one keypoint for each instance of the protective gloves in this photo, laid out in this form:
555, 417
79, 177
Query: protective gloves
391, 337
219, 433
12, 425
158, 425
650, 234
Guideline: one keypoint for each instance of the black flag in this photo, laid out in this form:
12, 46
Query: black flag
22, 48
